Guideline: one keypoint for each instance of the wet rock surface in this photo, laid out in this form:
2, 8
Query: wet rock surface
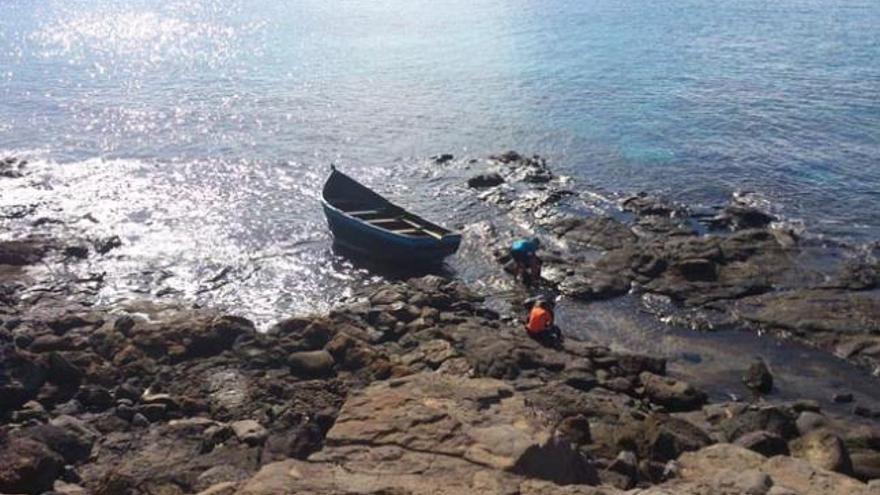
736, 266
159, 399
416, 384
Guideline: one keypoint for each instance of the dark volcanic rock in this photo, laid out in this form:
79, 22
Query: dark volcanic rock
865, 464
21, 376
80, 252
27, 466
669, 437
485, 180
672, 394
764, 443
311, 363
104, 246
645, 204
738, 217
758, 377
771, 419
442, 158
848, 322
22, 252
69, 437
804, 311
507, 157
599, 232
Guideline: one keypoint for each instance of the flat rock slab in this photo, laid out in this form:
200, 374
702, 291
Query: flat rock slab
478, 421
434, 433
729, 469
806, 311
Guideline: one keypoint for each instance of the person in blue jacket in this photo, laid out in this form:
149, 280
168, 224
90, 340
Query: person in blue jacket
527, 265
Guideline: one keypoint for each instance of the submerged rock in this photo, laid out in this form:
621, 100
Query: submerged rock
758, 377
23, 252
485, 180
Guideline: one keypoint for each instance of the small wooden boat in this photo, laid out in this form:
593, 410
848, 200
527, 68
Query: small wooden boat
365, 222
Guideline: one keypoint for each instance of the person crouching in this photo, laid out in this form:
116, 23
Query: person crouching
527, 264
540, 324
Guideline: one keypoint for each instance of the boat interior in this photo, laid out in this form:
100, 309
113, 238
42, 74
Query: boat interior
395, 220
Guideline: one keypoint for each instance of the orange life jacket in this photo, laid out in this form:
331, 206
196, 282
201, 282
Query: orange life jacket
540, 319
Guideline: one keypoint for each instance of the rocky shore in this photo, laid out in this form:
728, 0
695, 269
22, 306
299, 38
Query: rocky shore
419, 387
408, 388
729, 267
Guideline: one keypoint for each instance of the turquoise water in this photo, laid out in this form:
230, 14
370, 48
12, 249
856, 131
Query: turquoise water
696, 99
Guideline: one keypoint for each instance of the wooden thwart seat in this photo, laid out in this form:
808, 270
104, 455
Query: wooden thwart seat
383, 220
423, 229
363, 212
414, 227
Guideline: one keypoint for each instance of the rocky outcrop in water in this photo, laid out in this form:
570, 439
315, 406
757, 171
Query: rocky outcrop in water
12, 167
733, 268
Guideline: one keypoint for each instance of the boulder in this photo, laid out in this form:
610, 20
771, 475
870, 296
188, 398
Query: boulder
290, 326
490, 179
48, 343
21, 377
311, 363
758, 377
30, 411
28, 466
865, 464
575, 429
442, 158
22, 252
804, 478
764, 443
863, 437
808, 421
80, 252
674, 395
824, 450
104, 246
623, 472
95, 397
249, 431
68, 436
668, 437
738, 217
771, 419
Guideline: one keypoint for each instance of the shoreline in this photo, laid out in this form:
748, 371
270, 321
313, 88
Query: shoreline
420, 380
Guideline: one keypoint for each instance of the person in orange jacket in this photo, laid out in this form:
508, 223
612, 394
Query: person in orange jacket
540, 324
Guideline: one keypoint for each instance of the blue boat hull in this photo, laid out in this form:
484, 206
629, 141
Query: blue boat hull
375, 242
